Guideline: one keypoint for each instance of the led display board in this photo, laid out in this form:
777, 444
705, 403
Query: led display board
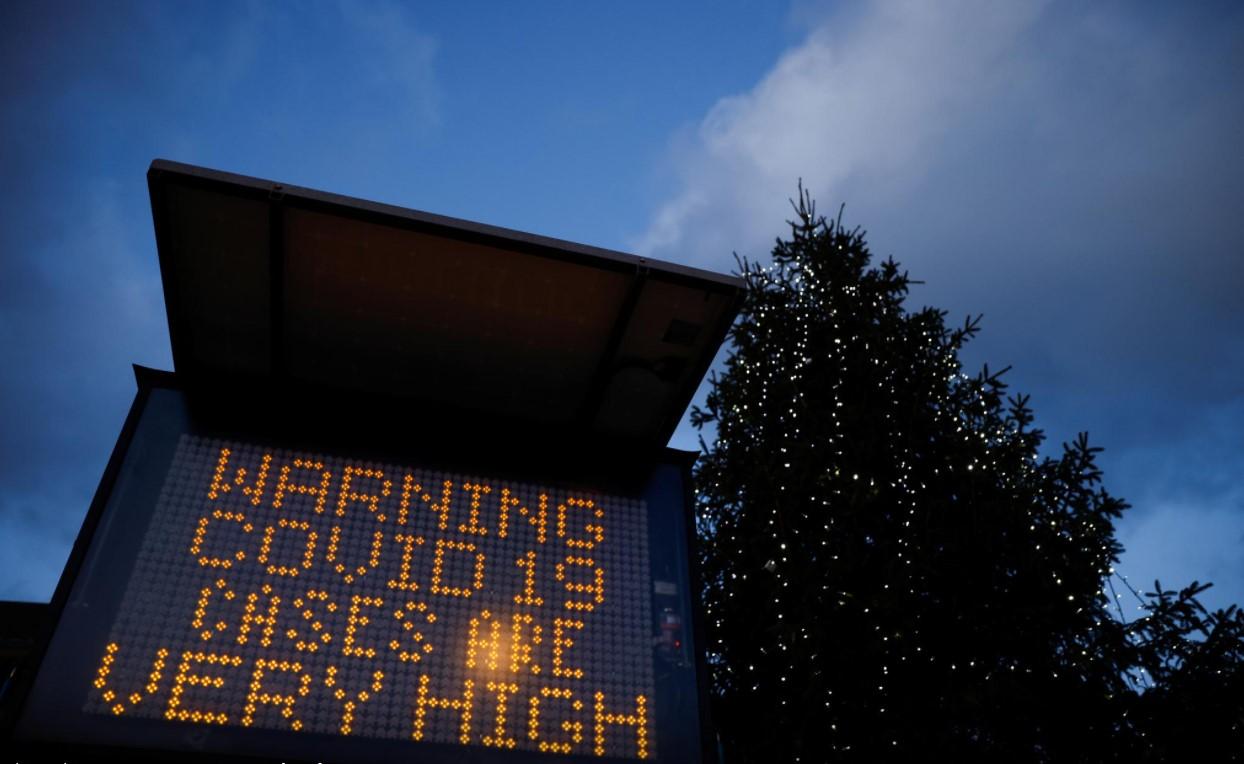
240, 593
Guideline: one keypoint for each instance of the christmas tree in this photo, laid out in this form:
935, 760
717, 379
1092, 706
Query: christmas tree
893, 571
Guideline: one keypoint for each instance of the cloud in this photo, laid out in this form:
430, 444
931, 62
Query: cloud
1070, 171
865, 99
1024, 163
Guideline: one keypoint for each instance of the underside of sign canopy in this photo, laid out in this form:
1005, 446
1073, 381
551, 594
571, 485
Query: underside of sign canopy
269, 282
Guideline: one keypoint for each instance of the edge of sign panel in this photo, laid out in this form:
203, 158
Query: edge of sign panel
669, 466
254, 319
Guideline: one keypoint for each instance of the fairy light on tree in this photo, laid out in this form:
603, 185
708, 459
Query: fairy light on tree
892, 569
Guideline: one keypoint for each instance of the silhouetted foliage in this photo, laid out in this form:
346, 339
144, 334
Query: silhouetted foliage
894, 572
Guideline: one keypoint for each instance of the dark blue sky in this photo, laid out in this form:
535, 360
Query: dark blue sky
1073, 171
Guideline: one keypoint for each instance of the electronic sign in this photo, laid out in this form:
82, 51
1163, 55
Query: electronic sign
240, 594
491, 564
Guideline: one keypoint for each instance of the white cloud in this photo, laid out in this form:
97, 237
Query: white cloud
865, 99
